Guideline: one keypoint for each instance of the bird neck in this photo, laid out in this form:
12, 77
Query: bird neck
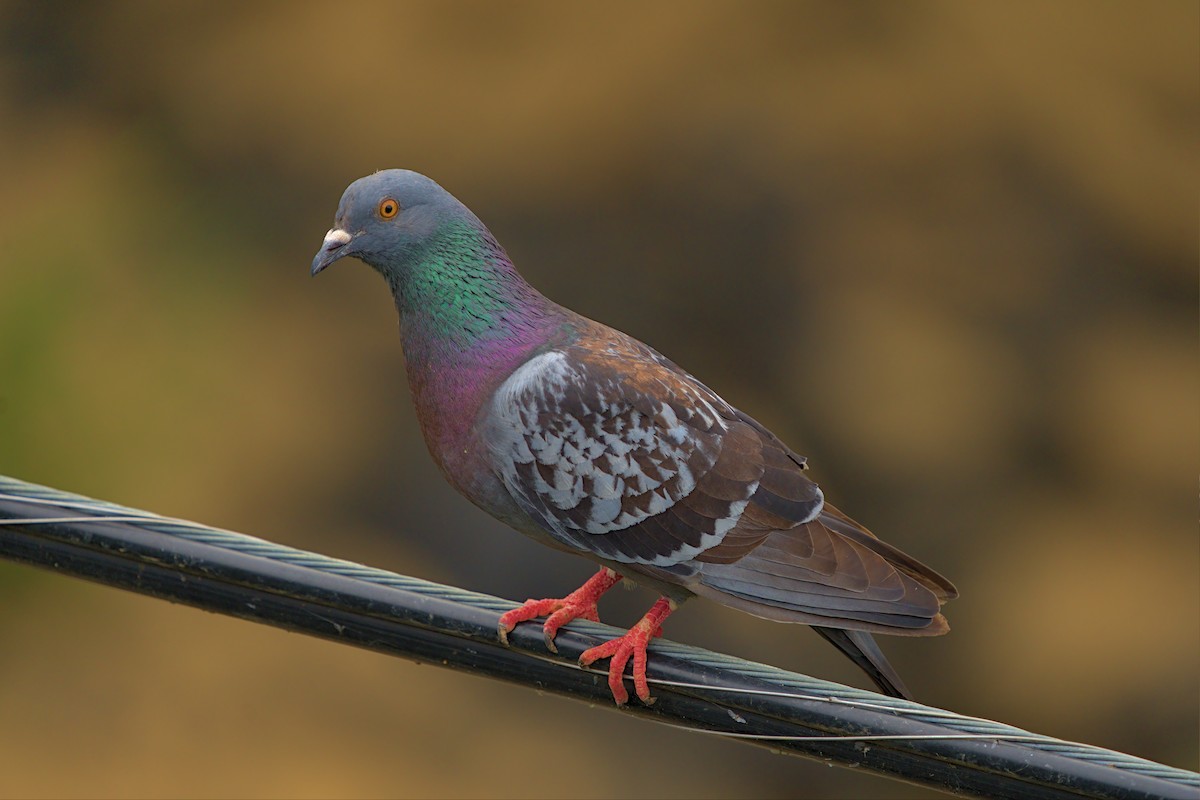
467, 320
464, 292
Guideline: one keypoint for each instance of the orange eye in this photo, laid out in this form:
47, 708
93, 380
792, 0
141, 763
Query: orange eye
388, 208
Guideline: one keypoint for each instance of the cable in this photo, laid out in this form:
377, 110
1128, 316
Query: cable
254, 579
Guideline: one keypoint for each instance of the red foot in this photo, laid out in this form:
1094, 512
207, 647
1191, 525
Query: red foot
579, 604
633, 644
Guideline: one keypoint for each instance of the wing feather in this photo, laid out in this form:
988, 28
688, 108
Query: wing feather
613, 450
830, 571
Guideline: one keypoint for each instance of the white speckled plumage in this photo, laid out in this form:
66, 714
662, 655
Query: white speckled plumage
589, 454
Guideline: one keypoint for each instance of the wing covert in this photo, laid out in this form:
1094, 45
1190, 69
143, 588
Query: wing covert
636, 462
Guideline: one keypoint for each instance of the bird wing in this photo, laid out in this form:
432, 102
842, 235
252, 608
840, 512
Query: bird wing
614, 450
832, 572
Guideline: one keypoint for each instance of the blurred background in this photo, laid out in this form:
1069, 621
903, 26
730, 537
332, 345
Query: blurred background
946, 250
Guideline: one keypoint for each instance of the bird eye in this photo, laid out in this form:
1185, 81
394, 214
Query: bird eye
388, 208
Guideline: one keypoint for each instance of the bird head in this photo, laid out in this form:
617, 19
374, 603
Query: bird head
386, 219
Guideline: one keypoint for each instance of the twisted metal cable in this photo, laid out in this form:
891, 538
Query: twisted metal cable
807, 714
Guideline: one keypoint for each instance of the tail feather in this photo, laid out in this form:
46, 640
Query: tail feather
861, 648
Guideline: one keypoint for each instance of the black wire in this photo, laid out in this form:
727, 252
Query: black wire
305, 592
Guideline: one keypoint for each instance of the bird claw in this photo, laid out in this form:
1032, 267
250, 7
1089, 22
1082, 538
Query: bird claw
620, 650
632, 645
579, 604
558, 612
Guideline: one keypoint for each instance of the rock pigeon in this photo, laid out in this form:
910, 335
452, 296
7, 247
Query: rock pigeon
592, 442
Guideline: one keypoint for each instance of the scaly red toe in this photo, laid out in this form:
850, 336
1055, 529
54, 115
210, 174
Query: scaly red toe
579, 604
632, 644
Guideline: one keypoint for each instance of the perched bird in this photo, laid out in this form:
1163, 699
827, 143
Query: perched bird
592, 442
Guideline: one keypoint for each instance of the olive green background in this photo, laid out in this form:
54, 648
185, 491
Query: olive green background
946, 250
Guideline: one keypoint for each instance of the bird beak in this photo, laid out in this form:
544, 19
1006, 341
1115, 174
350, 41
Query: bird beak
331, 250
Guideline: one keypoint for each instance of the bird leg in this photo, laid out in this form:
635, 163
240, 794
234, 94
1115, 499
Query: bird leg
579, 604
633, 644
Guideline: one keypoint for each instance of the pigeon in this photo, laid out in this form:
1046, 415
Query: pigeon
591, 442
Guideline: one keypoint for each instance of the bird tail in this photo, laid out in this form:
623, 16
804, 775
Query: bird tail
861, 648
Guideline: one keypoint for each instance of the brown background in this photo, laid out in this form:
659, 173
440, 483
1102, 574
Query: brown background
947, 250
